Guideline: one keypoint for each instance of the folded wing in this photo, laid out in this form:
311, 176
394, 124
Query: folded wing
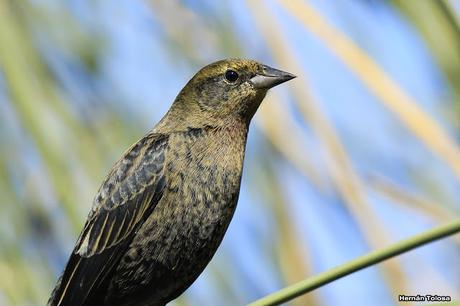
126, 198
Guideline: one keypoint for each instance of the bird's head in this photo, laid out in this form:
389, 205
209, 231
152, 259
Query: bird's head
227, 89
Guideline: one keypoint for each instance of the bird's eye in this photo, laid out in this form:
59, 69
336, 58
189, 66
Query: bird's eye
231, 76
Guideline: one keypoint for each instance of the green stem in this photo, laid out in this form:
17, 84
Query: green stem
359, 263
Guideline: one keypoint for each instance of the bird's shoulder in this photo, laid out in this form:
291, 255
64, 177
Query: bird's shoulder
133, 172
129, 189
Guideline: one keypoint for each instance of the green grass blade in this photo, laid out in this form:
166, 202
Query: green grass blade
357, 264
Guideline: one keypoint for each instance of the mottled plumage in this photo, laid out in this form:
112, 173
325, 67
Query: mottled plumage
163, 209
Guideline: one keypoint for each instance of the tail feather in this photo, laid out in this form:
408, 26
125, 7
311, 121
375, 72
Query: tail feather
85, 280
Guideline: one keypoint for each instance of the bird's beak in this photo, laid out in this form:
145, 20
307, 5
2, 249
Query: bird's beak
270, 77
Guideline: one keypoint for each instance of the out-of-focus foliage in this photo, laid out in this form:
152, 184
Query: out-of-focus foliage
357, 152
439, 24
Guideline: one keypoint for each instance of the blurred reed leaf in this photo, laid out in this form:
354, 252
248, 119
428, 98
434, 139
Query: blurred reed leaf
293, 261
346, 179
399, 102
26, 85
294, 148
416, 203
438, 23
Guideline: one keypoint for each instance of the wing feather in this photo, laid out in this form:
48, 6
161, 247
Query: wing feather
127, 196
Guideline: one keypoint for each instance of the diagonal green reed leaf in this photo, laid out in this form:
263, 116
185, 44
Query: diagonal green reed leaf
357, 264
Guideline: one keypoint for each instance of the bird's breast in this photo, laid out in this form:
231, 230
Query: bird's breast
203, 174
205, 178
173, 246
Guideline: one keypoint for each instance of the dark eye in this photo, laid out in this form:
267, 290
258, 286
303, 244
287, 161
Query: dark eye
231, 76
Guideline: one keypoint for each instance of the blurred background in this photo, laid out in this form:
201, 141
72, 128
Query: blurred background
358, 152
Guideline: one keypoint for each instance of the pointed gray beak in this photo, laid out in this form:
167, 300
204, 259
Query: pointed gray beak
270, 77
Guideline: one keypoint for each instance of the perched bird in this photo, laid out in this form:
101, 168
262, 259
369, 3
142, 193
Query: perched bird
163, 209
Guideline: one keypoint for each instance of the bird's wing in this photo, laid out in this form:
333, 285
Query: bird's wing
127, 196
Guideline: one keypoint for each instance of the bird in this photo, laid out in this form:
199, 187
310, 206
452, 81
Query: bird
163, 209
